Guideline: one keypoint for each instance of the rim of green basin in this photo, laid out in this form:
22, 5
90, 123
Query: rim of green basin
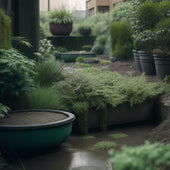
70, 118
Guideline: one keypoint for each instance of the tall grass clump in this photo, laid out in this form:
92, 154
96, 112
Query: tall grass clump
121, 40
5, 31
48, 73
43, 98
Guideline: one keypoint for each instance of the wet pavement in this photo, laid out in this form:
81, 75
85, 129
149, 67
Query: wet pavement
79, 153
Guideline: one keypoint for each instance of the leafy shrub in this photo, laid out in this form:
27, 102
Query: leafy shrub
17, 74
99, 44
48, 73
149, 14
121, 39
145, 40
3, 110
165, 9
127, 11
43, 98
84, 27
147, 156
80, 59
60, 16
162, 35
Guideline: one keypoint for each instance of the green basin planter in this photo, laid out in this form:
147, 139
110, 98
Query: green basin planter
72, 56
34, 137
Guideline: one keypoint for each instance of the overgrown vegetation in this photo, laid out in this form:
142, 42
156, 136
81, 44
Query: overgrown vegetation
3, 110
148, 156
92, 88
17, 74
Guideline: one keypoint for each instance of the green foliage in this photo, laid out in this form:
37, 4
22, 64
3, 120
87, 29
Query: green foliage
165, 8
105, 145
18, 41
127, 11
149, 14
147, 156
5, 31
43, 98
46, 50
83, 65
48, 73
145, 40
167, 79
94, 89
121, 40
80, 59
99, 44
118, 135
17, 74
84, 27
162, 35
60, 16
104, 61
3, 110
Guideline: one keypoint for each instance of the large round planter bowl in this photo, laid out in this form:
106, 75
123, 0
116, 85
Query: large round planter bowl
85, 32
137, 60
60, 29
147, 62
162, 66
20, 136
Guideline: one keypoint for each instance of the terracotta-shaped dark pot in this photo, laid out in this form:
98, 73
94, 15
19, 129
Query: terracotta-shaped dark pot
60, 29
85, 32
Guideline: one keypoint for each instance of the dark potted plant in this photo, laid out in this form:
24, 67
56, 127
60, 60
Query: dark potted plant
145, 43
162, 53
61, 22
84, 29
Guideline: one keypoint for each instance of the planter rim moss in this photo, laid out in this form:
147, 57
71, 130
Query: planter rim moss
70, 118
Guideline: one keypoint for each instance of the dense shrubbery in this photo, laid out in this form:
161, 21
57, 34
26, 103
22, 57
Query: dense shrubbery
121, 40
148, 156
102, 89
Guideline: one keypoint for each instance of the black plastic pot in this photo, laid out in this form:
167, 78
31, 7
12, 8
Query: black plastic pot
137, 60
147, 62
162, 66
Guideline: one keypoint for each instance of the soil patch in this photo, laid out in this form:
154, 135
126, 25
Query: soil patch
31, 118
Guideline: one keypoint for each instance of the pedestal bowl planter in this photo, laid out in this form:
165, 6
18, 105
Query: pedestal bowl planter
60, 29
31, 130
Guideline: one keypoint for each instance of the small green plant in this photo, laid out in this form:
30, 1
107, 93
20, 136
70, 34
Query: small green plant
84, 27
80, 59
104, 61
105, 145
48, 73
167, 79
88, 137
18, 41
83, 65
147, 156
3, 110
121, 40
118, 135
60, 16
5, 31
